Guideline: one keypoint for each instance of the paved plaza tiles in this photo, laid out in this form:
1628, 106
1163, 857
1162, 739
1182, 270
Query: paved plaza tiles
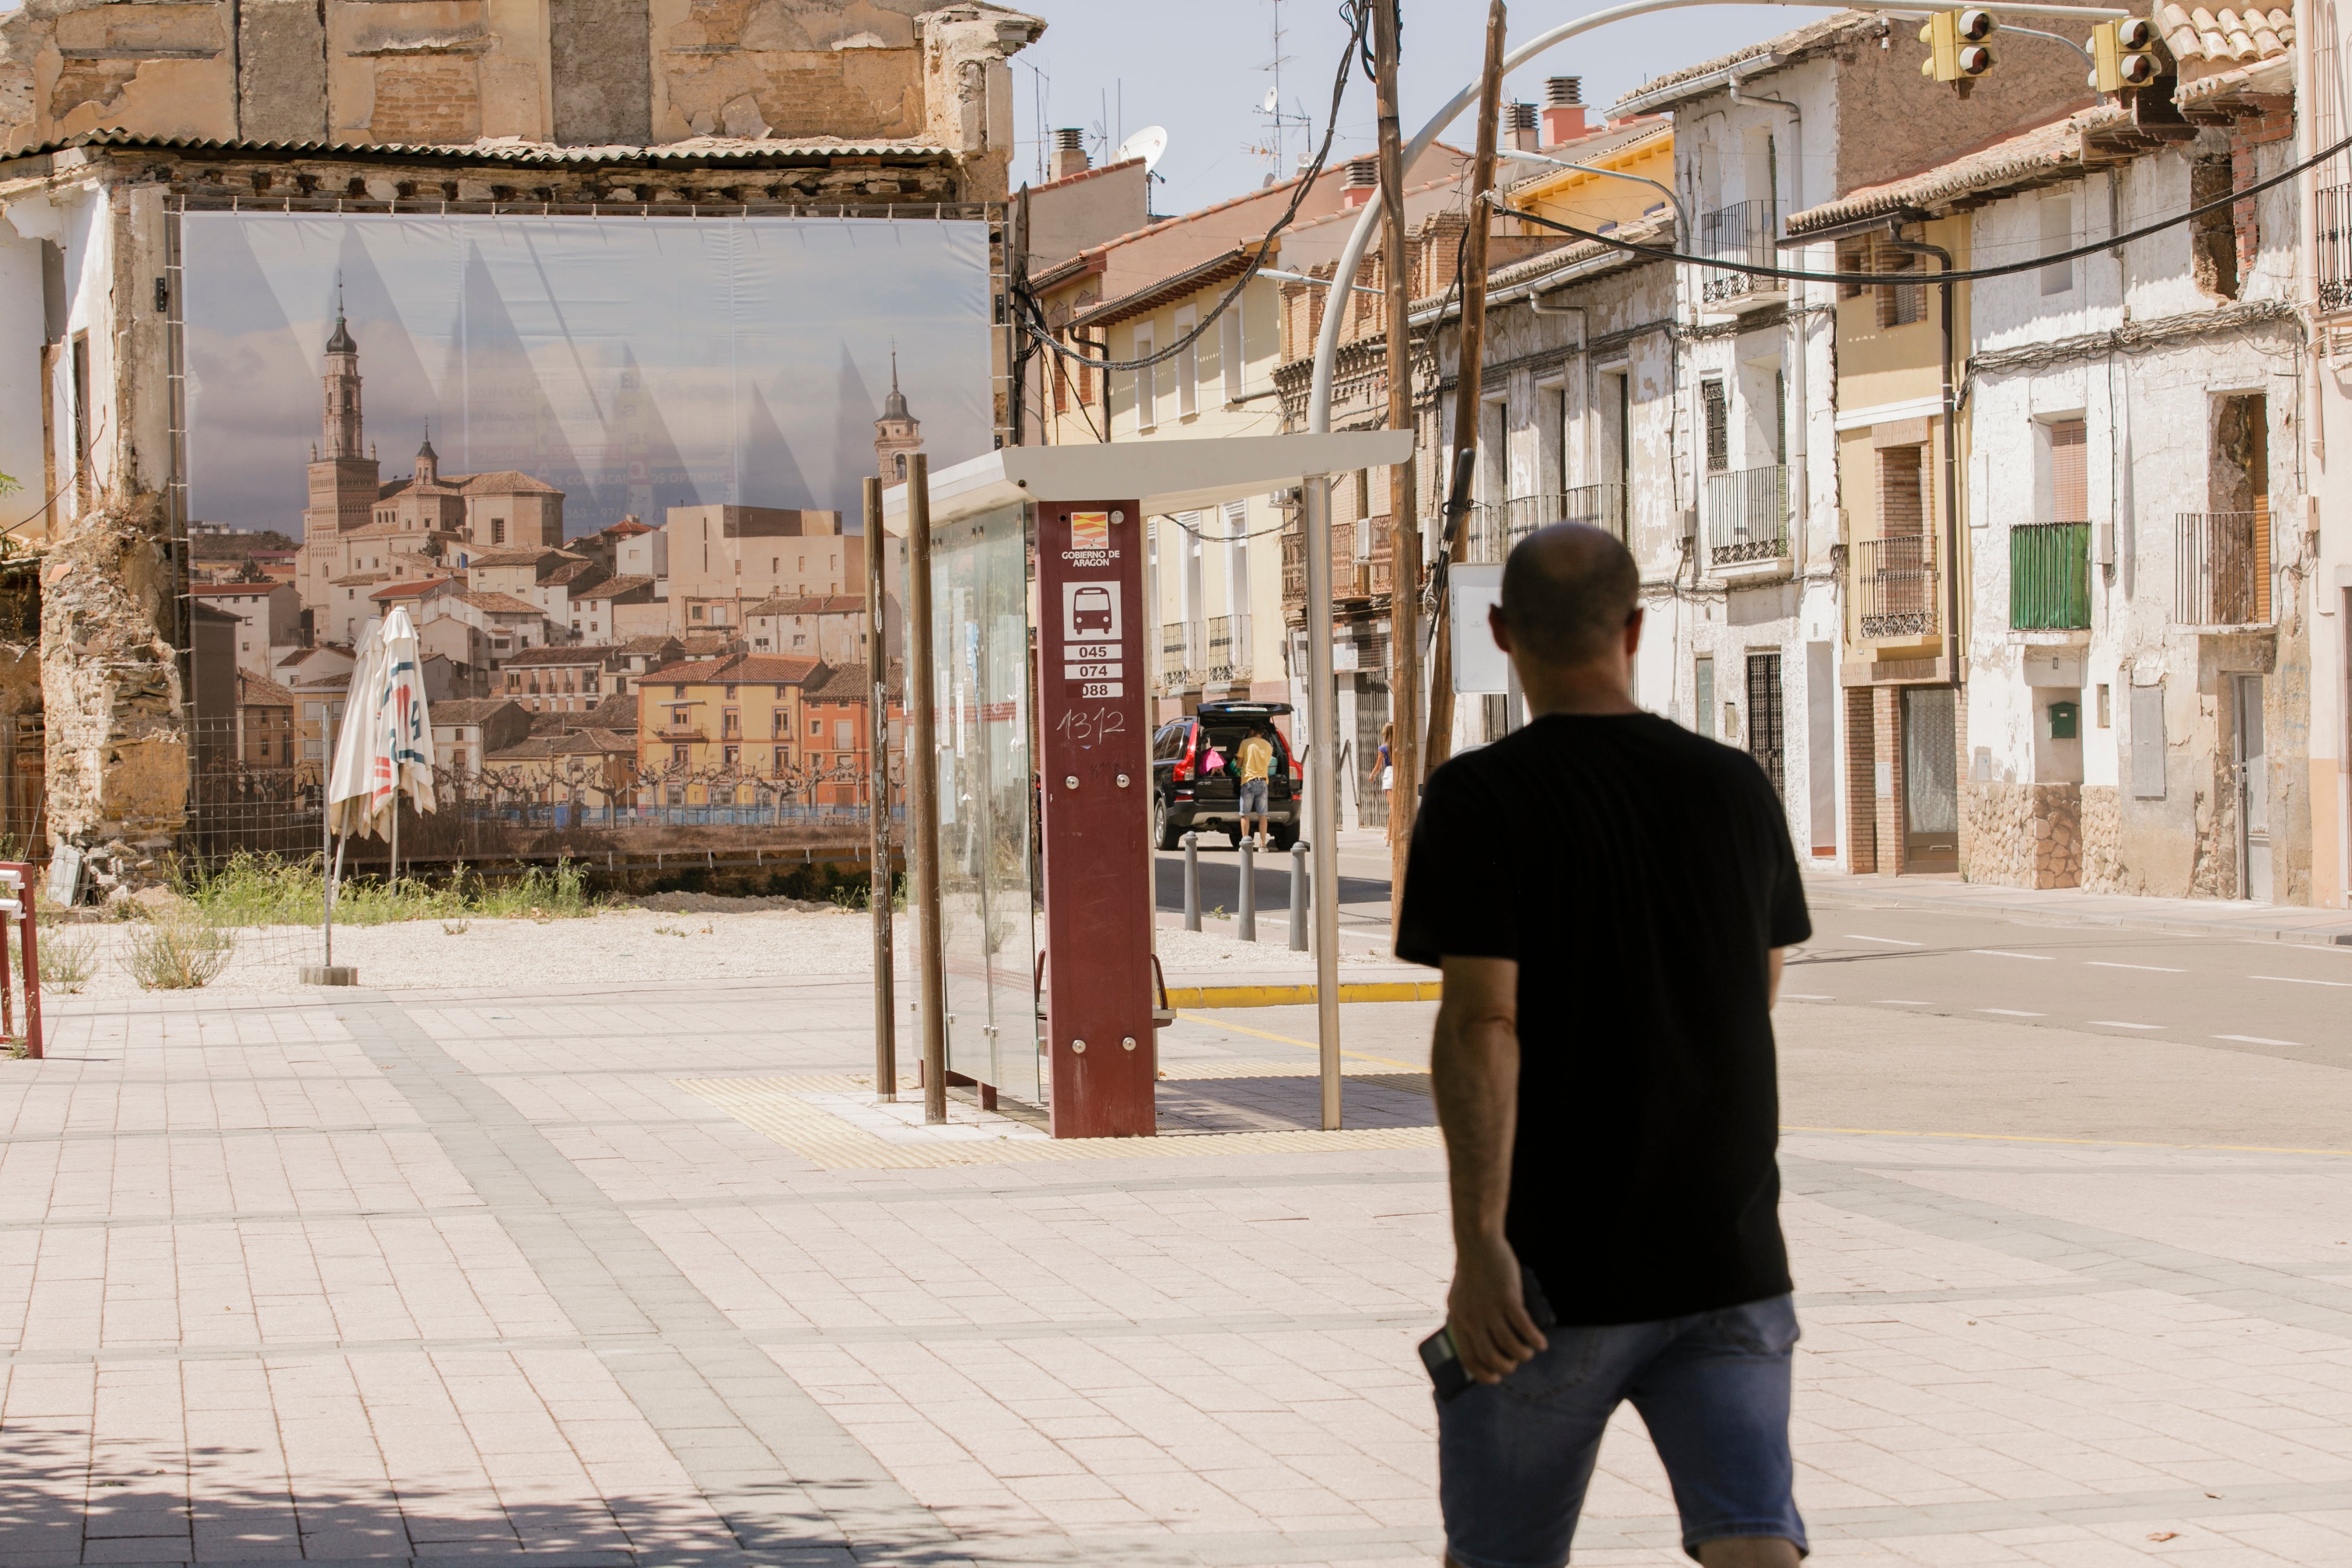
643, 1277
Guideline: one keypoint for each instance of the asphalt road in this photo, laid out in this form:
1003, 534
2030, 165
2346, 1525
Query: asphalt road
2259, 997
1928, 1022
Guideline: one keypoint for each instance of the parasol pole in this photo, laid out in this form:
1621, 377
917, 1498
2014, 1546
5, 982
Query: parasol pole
327, 851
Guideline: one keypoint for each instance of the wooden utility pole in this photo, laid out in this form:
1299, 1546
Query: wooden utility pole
1467, 390
1404, 523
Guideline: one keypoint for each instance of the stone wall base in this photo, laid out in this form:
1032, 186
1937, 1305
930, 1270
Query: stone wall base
2023, 835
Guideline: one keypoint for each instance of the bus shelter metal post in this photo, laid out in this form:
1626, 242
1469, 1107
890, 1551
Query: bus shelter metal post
1323, 782
877, 797
923, 778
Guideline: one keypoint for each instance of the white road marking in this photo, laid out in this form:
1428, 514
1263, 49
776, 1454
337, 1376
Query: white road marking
2255, 1040
2011, 1012
1996, 953
1801, 996
2151, 968
2293, 980
2119, 1023
1889, 940
1902, 1002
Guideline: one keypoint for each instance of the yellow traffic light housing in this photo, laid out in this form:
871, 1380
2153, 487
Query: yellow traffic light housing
1955, 51
2122, 54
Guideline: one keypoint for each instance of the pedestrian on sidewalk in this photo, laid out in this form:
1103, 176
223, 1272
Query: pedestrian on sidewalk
1254, 756
1384, 775
1609, 896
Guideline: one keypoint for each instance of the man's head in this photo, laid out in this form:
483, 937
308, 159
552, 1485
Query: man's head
1570, 611
1568, 591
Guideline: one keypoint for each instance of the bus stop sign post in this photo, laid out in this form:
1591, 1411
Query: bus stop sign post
1094, 787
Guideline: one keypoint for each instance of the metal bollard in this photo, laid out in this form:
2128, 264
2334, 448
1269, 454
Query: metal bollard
1298, 897
1192, 881
1246, 916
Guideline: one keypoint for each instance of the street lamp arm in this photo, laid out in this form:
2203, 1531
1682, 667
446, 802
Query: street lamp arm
1368, 217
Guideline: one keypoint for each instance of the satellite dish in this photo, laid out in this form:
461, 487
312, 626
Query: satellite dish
1270, 97
1148, 145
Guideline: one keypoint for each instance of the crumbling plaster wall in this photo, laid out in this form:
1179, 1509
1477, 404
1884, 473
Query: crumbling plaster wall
109, 682
2149, 419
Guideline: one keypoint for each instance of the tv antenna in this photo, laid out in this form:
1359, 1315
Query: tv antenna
1274, 146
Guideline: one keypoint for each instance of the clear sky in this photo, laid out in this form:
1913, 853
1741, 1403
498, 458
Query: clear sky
1200, 69
636, 365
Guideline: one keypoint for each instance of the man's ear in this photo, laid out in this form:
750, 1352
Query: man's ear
1633, 633
1495, 625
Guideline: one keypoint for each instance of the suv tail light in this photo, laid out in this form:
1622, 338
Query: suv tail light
1184, 760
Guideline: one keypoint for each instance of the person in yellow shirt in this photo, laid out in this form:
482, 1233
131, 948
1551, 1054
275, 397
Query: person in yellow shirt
1254, 756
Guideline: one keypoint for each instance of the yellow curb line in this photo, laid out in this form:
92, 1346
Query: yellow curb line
1303, 995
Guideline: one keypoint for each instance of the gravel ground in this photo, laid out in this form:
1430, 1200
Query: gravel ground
657, 944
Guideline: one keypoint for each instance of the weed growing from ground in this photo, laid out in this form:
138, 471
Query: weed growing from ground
68, 958
178, 950
263, 889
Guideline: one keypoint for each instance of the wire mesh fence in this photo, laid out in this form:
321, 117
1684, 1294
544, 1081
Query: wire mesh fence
250, 794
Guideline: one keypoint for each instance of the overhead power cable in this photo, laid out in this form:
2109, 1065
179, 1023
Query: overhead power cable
1031, 318
1655, 252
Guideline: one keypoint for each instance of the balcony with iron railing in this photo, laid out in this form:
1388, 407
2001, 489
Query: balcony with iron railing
2331, 218
1894, 588
2221, 566
1743, 232
1229, 647
1747, 519
2049, 577
1493, 527
1180, 652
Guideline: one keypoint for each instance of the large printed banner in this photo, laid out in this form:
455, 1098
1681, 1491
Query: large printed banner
632, 365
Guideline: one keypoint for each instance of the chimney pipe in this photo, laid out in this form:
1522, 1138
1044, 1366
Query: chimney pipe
1563, 114
1069, 152
1363, 179
1519, 127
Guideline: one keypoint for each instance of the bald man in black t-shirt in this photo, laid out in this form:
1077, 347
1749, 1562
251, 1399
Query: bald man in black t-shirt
1609, 896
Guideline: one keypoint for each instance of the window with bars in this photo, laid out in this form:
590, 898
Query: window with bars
1718, 425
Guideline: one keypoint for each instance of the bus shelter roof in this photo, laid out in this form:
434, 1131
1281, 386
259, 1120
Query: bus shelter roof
1160, 476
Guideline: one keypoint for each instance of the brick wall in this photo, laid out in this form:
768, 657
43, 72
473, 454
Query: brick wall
1861, 759
2245, 136
433, 100
1886, 753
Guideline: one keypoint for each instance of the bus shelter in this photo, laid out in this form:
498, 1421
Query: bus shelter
1037, 646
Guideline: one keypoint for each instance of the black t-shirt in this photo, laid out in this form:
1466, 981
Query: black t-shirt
1640, 875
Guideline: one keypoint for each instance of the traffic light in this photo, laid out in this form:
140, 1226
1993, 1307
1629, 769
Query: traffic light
1955, 40
2122, 54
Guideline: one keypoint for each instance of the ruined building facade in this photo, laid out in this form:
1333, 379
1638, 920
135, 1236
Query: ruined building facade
115, 118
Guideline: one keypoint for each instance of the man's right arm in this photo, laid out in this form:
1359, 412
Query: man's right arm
1473, 1064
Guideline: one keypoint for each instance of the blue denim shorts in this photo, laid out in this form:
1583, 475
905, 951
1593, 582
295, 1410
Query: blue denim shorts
1253, 798
1514, 1458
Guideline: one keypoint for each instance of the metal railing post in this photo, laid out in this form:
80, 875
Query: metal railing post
1298, 896
1192, 881
1246, 911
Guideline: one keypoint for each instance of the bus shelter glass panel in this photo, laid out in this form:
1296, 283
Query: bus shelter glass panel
980, 631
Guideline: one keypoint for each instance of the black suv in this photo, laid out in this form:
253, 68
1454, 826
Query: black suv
1196, 781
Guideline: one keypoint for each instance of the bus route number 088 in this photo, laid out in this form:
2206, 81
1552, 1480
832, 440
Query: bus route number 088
1102, 689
